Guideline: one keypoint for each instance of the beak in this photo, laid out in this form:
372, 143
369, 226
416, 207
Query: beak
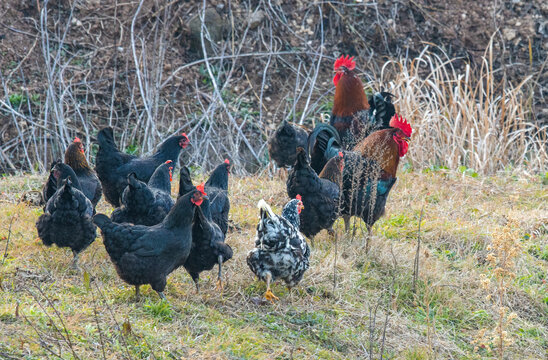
407, 139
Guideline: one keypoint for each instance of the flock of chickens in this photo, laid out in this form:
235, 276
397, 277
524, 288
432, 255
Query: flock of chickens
345, 168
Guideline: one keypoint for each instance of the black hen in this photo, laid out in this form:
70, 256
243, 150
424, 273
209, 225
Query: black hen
217, 189
113, 166
281, 251
50, 187
148, 254
185, 182
208, 246
320, 196
282, 145
146, 204
66, 221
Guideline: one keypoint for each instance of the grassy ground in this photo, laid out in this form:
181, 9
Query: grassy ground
49, 311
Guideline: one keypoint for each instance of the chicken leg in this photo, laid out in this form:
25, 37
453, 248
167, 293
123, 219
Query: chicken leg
219, 276
268, 294
368, 238
75, 260
137, 292
346, 219
162, 296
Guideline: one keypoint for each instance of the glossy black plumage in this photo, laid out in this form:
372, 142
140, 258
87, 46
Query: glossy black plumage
113, 166
66, 221
146, 204
50, 187
282, 145
148, 254
208, 246
216, 188
185, 182
319, 196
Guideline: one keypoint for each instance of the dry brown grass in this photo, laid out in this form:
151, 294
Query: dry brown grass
41, 296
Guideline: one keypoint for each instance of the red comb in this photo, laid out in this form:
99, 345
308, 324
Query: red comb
298, 197
401, 123
341, 154
168, 162
200, 188
77, 139
227, 161
347, 62
184, 134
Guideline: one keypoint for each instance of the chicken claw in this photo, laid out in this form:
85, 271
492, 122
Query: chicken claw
269, 295
220, 285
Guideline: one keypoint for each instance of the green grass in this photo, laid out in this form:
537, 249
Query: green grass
48, 309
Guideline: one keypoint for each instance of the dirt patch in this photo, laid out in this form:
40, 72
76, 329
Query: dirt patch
127, 66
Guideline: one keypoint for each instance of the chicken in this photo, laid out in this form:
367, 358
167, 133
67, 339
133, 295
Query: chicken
370, 172
320, 195
146, 204
353, 116
208, 246
113, 166
66, 221
185, 182
388, 145
365, 190
75, 158
148, 254
50, 187
282, 145
217, 188
281, 251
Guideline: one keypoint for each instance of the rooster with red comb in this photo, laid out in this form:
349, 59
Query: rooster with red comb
353, 116
370, 173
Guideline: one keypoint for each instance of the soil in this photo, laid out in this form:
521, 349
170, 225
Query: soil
99, 61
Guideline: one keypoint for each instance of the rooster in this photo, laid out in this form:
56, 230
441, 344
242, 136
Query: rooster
387, 146
146, 204
282, 145
370, 172
320, 194
113, 166
66, 221
281, 251
353, 117
148, 254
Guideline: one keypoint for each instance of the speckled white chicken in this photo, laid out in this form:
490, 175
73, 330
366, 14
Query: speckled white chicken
281, 251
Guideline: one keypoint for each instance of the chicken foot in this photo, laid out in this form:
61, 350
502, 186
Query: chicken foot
268, 294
